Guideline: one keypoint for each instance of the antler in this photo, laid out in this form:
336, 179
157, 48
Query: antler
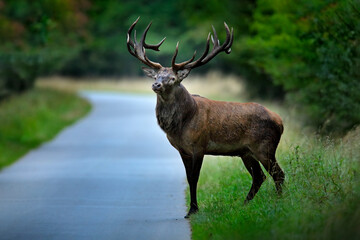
137, 49
217, 48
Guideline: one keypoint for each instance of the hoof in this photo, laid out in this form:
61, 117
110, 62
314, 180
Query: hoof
247, 200
279, 188
191, 212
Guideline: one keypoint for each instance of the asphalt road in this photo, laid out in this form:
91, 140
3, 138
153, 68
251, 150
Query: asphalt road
112, 175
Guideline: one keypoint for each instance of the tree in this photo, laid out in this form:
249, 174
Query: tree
35, 37
312, 50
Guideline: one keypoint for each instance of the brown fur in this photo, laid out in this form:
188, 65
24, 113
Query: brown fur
197, 126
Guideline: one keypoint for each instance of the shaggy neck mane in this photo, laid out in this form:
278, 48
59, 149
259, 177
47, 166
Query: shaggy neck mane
175, 109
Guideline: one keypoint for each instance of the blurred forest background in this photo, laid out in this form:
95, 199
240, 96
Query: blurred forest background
305, 52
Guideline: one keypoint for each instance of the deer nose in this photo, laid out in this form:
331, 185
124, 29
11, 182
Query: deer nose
156, 86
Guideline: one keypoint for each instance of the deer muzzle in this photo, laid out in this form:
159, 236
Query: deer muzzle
156, 87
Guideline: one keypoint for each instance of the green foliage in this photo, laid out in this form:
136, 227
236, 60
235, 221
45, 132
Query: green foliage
106, 52
18, 72
36, 116
188, 22
35, 37
312, 50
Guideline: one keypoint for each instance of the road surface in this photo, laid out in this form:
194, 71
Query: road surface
112, 175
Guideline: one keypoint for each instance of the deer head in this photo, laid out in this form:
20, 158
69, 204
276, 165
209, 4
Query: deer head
167, 77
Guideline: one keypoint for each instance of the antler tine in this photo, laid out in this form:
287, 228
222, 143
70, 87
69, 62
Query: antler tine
205, 58
154, 47
229, 39
198, 62
215, 39
228, 47
129, 41
135, 42
217, 48
207, 48
176, 66
138, 49
175, 54
189, 63
190, 60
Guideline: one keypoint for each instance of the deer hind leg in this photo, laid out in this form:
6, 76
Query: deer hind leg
268, 160
258, 176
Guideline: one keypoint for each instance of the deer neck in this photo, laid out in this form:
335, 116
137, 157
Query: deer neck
175, 109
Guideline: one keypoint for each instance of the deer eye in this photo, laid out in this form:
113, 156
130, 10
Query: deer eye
172, 78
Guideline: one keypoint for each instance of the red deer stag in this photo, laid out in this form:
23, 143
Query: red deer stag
196, 126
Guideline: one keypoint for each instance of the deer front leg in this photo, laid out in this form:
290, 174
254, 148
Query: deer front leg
192, 166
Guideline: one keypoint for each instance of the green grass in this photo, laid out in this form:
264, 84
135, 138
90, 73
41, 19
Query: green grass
321, 199
36, 116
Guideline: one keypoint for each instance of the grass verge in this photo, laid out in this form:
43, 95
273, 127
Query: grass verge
320, 201
33, 117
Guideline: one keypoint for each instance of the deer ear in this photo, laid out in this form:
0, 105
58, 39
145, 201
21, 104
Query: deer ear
181, 74
151, 73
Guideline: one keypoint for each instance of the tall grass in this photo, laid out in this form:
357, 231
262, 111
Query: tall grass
28, 119
320, 200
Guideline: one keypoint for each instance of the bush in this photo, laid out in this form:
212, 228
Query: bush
312, 50
33, 38
18, 73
